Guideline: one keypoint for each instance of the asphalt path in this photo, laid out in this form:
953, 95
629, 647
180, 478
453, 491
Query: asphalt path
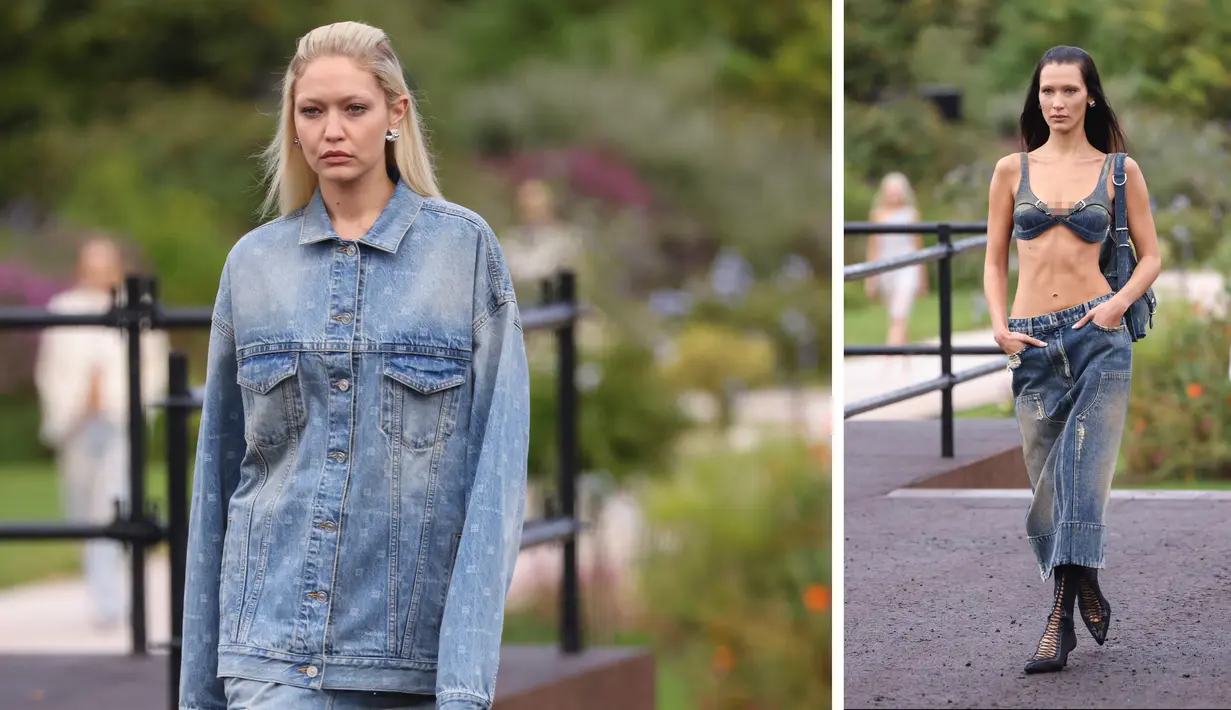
944, 604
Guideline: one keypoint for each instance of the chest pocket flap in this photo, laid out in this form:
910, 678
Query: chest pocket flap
273, 404
421, 397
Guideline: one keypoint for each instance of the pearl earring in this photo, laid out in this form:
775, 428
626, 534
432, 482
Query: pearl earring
392, 135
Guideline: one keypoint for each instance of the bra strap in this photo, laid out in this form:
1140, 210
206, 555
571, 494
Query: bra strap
1102, 176
1023, 185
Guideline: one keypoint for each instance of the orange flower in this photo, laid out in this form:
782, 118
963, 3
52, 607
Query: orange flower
816, 598
1194, 390
1139, 425
724, 659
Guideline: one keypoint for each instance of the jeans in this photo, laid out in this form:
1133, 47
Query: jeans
93, 463
244, 694
1071, 399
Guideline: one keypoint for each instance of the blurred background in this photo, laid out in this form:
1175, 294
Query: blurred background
674, 153
935, 90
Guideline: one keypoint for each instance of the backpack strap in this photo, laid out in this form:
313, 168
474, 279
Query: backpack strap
1118, 178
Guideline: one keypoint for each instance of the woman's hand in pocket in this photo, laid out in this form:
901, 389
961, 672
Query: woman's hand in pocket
1011, 342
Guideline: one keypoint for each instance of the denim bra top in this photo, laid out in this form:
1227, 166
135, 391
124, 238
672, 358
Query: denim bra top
1089, 219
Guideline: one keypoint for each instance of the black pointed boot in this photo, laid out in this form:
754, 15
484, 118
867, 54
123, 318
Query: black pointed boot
1059, 638
1094, 607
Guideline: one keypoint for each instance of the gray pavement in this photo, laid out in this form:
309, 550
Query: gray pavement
944, 605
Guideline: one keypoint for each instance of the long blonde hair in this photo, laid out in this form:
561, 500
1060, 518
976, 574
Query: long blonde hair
290, 179
903, 184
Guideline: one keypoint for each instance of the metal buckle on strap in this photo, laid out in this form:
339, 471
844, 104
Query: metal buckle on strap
1113, 180
1080, 205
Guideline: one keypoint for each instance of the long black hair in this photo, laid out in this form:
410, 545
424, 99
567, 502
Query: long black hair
1102, 129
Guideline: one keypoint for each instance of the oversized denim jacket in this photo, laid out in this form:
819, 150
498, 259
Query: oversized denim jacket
358, 497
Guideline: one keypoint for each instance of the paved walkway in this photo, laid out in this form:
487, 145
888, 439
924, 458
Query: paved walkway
866, 377
944, 606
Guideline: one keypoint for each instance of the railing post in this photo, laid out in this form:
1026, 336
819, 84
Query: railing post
178, 407
136, 305
945, 289
566, 423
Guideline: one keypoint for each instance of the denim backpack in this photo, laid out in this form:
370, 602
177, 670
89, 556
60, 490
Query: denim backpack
1117, 259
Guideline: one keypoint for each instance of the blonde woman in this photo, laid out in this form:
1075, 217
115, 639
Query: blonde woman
894, 203
360, 479
82, 378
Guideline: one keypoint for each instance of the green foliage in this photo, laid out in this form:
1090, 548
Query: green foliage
1178, 49
906, 135
1163, 64
738, 575
19, 428
629, 419
704, 162
1179, 419
143, 117
712, 358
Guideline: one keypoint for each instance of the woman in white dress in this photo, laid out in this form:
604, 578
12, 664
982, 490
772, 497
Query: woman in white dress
894, 203
82, 378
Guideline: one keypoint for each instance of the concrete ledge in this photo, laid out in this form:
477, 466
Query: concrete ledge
541, 678
531, 676
885, 455
998, 469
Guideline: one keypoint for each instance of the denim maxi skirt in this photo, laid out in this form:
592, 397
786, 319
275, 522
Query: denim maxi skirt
1071, 399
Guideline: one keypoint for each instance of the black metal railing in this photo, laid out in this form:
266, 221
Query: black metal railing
135, 310
942, 253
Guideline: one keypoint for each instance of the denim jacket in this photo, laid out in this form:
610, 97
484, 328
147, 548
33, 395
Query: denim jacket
359, 491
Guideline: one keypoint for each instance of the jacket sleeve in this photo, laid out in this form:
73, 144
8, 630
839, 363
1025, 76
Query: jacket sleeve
220, 449
61, 370
498, 445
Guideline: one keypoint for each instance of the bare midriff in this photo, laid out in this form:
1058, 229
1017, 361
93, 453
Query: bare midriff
1056, 270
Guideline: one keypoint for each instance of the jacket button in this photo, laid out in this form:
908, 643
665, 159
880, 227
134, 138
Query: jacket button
312, 671
344, 318
343, 385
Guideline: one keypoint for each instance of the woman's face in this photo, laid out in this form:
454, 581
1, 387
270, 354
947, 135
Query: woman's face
341, 118
1063, 97
100, 265
893, 196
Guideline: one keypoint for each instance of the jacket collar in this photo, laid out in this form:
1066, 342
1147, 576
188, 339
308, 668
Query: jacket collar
386, 233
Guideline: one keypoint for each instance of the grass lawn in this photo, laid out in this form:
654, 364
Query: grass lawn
867, 324
29, 493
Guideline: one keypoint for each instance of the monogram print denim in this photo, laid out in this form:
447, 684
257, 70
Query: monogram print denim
1071, 399
359, 491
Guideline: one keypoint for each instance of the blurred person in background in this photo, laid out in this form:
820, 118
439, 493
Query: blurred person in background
360, 480
81, 374
540, 245
894, 203
1066, 339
